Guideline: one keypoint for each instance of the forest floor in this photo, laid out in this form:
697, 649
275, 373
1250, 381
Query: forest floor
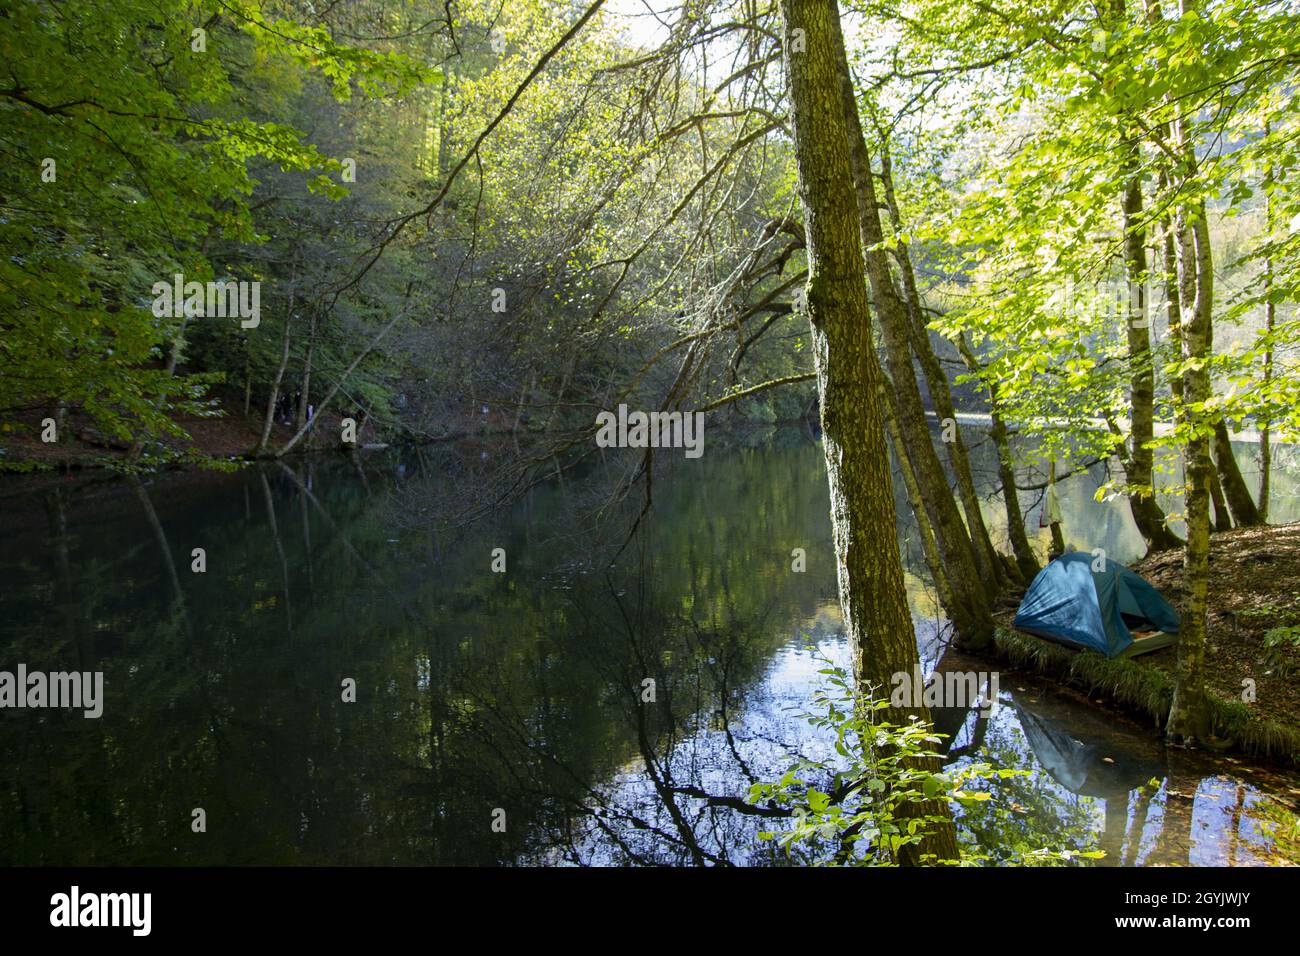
1254, 588
82, 445
232, 434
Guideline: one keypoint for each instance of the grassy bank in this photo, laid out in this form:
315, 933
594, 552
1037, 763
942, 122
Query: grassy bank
1148, 690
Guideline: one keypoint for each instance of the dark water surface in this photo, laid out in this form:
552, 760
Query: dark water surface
480, 692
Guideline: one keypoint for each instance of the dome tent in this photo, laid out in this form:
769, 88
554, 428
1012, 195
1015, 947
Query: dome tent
1073, 604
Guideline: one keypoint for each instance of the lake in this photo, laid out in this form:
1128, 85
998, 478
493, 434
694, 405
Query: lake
500, 717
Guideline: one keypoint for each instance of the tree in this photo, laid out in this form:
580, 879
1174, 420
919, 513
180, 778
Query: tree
133, 142
970, 564
872, 596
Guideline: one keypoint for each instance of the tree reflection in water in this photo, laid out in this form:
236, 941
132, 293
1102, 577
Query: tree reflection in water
520, 691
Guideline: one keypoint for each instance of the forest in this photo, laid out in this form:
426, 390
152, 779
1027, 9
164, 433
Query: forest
334, 301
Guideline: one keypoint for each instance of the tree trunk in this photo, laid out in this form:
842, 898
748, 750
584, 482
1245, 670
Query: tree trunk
928, 546
1270, 326
1026, 560
1265, 446
1174, 313
1222, 518
1140, 465
1173, 309
559, 396
969, 568
1189, 718
1193, 245
523, 397
248, 380
870, 573
174, 353
329, 396
1244, 512
304, 398
1265, 462
1053, 526
269, 419
937, 380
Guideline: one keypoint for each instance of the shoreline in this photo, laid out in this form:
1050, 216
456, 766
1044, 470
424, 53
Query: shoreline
1254, 588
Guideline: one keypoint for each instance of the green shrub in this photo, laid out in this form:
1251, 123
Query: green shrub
852, 810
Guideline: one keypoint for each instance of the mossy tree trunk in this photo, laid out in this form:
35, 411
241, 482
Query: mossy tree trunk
1139, 465
970, 568
914, 495
870, 572
935, 376
1189, 718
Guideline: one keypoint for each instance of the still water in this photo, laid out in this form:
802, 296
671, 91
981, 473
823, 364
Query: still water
514, 698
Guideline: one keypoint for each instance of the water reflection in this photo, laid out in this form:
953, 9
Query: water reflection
525, 692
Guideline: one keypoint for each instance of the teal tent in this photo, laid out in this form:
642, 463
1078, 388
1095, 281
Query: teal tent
1071, 603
